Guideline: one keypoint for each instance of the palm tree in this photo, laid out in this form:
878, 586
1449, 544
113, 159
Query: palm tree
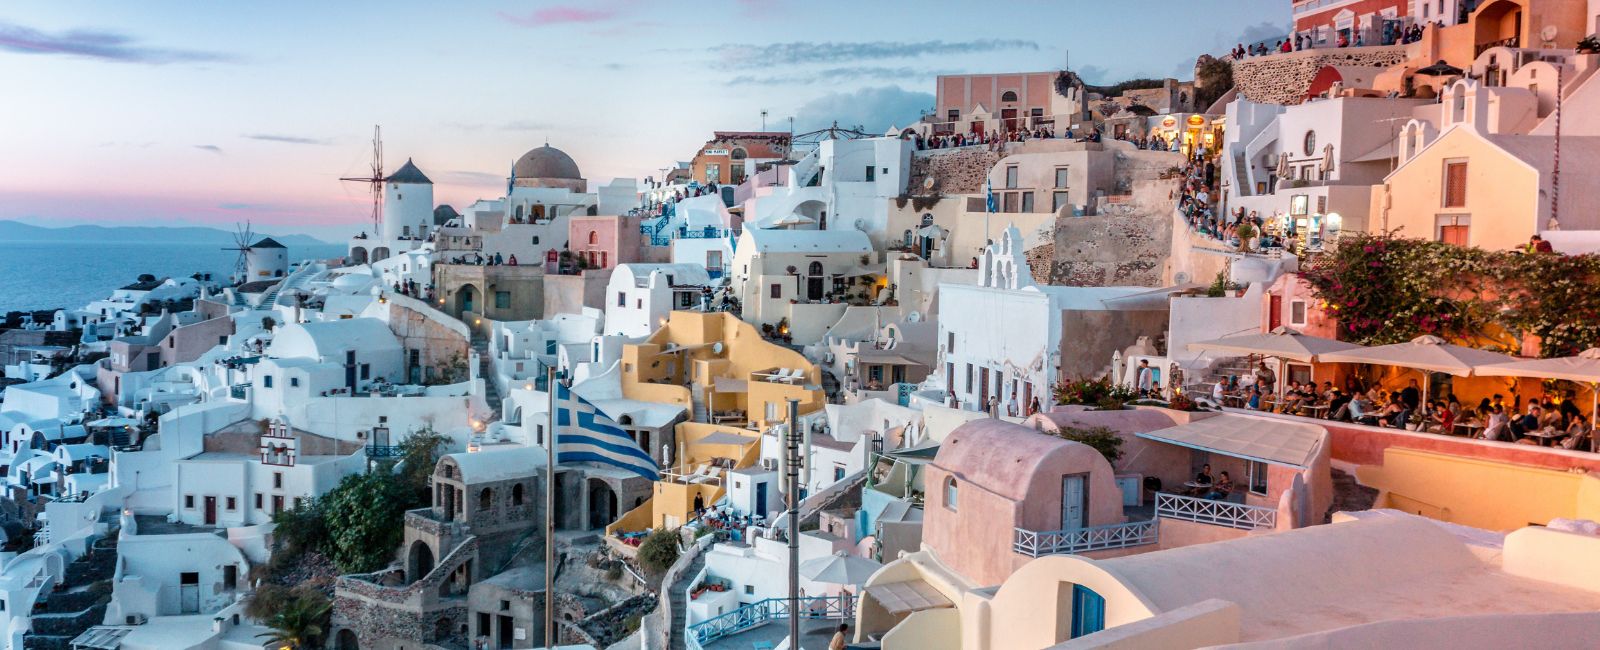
299, 624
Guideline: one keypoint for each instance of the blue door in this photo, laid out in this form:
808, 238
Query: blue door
761, 499
1088, 611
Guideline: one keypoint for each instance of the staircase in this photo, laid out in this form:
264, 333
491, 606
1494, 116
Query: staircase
697, 395
491, 393
63, 615
677, 633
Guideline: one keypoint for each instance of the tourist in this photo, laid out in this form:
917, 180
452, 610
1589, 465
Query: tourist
1222, 488
1537, 244
1145, 378
839, 641
1495, 426
1220, 390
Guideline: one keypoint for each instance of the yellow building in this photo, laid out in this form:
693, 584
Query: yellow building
731, 380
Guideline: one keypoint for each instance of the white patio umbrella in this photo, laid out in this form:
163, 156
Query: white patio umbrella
791, 220
1427, 353
1585, 368
112, 422
839, 569
1281, 343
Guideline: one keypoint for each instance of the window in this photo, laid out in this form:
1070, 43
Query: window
1011, 176
516, 494
1008, 202
486, 499
535, 240
299, 501
969, 378
1027, 201
1455, 184
1297, 312
232, 504
949, 342
622, 299
366, 371
1454, 229
188, 502
277, 480
258, 501
1008, 96
952, 115
266, 381
950, 493
872, 173
1057, 201
838, 472
1299, 205
230, 577
294, 382
749, 590
1258, 477
1061, 177
777, 291
713, 173
1311, 143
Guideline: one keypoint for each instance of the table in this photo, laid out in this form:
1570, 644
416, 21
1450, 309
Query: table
1316, 410
1545, 436
1196, 487
1472, 428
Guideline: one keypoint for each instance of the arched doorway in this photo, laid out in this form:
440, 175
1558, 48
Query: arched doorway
419, 561
466, 299
814, 281
380, 253
346, 640
358, 255
602, 504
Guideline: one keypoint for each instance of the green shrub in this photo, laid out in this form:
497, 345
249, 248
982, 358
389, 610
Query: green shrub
1103, 439
658, 551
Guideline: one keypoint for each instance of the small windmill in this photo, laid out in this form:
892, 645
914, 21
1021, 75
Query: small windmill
243, 236
375, 180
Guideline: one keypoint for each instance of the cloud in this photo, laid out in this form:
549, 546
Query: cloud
286, 139
873, 109
559, 15
1095, 75
800, 53
101, 45
465, 177
246, 206
838, 75
526, 125
209, 147
1262, 31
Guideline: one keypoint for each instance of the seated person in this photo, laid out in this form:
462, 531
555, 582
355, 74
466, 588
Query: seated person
1204, 477
1526, 423
1496, 427
1219, 390
1222, 488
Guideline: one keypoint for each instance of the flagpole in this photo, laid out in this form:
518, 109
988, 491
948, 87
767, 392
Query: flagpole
549, 514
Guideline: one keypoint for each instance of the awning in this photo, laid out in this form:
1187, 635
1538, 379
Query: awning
725, 438
1252, 438
101, 637
1428, 353
909, 596
730, 385
887, 358
1283, 343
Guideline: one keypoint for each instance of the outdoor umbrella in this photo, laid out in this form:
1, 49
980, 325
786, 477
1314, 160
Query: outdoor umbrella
1283, 343
1582, 368
1440, 69
791, 220
112, 422
1426, 353
839, 569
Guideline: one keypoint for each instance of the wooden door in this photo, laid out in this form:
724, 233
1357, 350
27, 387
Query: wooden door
211, 511
1073, 498
1274, 312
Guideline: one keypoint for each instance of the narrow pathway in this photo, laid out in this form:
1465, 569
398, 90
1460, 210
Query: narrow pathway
677, 634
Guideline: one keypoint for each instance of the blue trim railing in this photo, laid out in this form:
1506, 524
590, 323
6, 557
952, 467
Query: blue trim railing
759, 613
1033, 543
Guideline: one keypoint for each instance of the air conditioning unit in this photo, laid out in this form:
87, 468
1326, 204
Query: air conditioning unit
770, 464
136, 619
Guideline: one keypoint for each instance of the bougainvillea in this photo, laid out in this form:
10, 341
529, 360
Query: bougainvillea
1385, 289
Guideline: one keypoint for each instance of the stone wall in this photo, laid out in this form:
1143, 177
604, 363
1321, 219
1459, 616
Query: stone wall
1283, 78
1110, 251
440, 347
955, 171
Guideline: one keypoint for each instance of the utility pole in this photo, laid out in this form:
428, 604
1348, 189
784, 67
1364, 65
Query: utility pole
551, 377
1555, 172
763, 120
792, 476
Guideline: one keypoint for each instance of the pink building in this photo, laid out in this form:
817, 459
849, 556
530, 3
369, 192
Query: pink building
169, 344
1292, 303
603, 242
964, 101
992, 478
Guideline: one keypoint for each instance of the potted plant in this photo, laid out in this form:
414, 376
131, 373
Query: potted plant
1589, 45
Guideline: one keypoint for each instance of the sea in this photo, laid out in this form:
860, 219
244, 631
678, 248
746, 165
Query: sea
52, 275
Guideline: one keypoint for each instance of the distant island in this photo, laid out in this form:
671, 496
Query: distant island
16, 231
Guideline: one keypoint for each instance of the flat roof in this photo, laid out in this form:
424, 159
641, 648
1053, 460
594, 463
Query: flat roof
1242, 436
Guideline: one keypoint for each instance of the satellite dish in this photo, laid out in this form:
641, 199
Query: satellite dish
1181, 277
716, 348
1548, 33
927, 183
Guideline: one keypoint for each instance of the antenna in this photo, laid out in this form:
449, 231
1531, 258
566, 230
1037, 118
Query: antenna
242, 238
376, 180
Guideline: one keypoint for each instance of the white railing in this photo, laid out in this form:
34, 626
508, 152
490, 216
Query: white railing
1079, 540
1218, 513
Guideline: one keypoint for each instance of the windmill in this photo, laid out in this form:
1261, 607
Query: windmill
375, 180
243, 236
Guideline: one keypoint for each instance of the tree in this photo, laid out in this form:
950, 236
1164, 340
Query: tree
659, 551
365, 517
1245, 231
267, 323
300, 529
300, 620
1213, 78
1103, 439
419, 453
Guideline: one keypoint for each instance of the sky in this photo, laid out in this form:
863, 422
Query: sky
201, 113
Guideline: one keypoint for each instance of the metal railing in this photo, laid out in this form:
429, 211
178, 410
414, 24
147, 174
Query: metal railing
771, 609
1218, 513
1033, 543
385, 451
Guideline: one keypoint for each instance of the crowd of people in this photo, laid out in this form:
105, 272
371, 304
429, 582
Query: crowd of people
1298, 42
992, 138
1545, 420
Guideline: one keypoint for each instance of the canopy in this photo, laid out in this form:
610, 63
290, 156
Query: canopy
1428, 353
1255, 438
908, 596
1283, 343
791, 220
725, 438
839, 569
1585, 368
112, 422
1440, 69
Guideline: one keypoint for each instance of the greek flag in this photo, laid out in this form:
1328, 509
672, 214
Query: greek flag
989, 204
584, 434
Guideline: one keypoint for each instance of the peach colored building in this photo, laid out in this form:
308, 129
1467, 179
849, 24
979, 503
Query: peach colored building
603, 242
980, 103
730, 157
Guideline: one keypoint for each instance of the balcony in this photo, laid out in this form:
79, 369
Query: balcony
1081, 540
1216, 513
760, 613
